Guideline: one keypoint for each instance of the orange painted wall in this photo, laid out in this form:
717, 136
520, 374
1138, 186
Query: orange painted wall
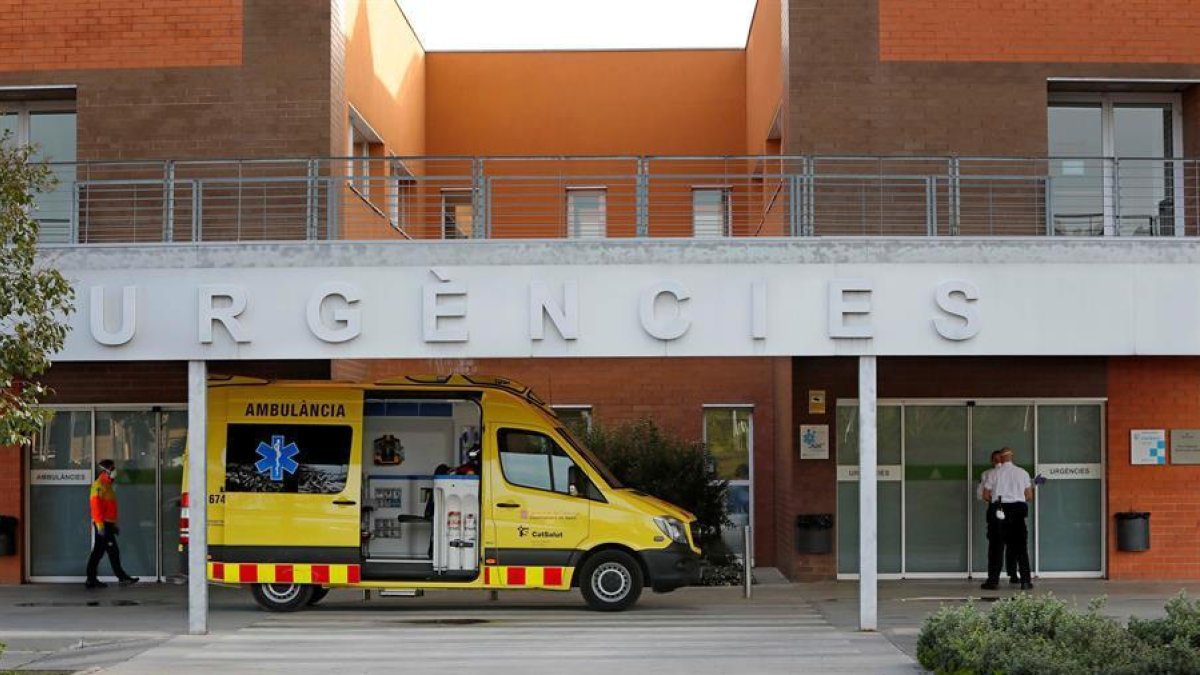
764, 74
85, 34
11, 504
1154, 393
1069, 31
617, 102
385, 74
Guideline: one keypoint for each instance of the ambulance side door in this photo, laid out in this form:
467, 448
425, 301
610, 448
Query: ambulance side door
295, 482
537, 520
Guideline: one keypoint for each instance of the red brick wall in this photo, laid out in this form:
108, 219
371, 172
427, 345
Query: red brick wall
61, 34
814, 482
1101, 31
849, 95
668, 391
1154, 393
12, 500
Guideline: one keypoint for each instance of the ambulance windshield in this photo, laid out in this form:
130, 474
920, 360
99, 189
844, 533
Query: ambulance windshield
592, 460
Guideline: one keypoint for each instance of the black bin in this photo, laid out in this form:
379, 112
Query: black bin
8, 535
814, 533
1133, 531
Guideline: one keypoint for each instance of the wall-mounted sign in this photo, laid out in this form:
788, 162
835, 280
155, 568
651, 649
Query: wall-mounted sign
1185, 446
60, 477
816, 401
1071, 471
889, 473
814, 441
1148, 446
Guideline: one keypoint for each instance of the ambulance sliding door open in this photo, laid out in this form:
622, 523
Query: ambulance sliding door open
419, 519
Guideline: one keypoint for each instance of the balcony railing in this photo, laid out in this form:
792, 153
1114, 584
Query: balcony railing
618, 197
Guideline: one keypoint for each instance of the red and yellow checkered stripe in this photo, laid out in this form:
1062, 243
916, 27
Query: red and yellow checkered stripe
527, 577
271, 573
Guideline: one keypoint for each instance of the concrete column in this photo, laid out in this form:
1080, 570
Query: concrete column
197, 455
868, 497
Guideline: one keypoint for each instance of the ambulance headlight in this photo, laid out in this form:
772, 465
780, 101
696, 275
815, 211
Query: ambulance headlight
671, 527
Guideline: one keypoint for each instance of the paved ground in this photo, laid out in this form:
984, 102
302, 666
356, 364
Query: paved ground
785, 628
693, 630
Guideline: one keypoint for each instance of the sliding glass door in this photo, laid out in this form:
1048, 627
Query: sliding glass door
147, 445
931, 457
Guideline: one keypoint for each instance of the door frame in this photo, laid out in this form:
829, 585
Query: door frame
158, 409
971, 403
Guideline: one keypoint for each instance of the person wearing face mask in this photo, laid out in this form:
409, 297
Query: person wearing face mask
103, 501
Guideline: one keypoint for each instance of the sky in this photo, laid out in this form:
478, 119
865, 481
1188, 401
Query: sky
489, 25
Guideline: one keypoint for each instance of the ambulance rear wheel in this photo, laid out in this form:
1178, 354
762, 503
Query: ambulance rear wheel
611, 581
282, 597
318, 595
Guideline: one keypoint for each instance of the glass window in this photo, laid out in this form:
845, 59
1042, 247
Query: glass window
577, 418
525, 459
710, 212
287, 458
727, 441
458, 214
585, 214
1086, 197
533, 460
8, 125
61, 472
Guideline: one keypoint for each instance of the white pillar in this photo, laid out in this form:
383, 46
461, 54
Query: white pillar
197, 484
868, 497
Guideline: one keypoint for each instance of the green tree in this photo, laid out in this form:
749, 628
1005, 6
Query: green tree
34, 300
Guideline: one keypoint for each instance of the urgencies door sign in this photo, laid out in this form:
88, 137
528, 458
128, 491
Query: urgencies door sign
619, 310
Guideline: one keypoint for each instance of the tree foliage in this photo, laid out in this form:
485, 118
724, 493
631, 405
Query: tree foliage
659, 464
34, 300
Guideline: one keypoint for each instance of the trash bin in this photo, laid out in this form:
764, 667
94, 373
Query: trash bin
814, 533
1133, 531
8, 535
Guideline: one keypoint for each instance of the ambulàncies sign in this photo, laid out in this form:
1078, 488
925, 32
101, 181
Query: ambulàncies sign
633, 310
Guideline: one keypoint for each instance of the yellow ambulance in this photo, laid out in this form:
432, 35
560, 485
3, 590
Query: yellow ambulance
422, 483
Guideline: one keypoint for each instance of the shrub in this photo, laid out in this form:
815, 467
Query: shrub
645, 458
1043, 635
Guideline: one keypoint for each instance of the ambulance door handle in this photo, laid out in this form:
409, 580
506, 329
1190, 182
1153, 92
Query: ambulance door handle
344, 502
508, 505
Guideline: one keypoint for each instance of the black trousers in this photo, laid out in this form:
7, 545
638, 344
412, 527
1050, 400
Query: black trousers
1008, 541
105, 542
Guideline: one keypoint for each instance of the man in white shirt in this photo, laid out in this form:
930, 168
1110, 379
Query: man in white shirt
994, 533
1008, 489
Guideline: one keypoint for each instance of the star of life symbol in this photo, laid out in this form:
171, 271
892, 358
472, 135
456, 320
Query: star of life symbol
810, 437
277, 458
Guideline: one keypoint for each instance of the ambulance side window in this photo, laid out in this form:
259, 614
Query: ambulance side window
287, 458
525, 459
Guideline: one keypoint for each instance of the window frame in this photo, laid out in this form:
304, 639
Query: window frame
726, 226
749, 481
360, 134
457, 192
1108, 101
587, 409
574, 231
501, 434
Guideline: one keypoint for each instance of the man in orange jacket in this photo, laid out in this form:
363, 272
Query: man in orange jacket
103, 500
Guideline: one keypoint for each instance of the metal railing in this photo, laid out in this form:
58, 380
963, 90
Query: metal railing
617, 197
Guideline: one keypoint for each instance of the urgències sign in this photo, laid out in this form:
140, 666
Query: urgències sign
632, 310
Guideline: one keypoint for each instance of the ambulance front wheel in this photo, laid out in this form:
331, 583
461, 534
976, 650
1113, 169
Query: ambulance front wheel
282, 597
611, 581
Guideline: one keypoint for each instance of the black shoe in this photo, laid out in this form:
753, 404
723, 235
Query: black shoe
990, 585
1026, 586
1014, 580
94, 583
129, 581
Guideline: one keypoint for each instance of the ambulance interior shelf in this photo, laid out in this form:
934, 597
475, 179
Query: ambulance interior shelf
407, 441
